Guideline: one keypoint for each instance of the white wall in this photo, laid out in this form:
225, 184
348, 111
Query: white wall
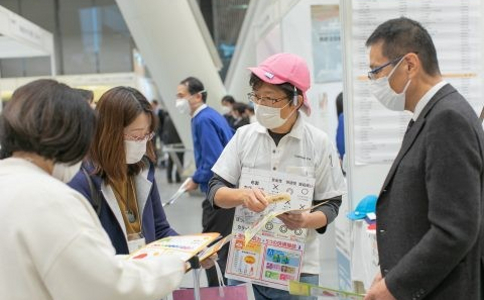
173, 47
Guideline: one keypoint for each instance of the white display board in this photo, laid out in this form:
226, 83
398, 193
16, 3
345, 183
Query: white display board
374, 134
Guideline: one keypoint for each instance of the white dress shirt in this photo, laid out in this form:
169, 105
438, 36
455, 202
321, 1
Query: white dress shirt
426, 98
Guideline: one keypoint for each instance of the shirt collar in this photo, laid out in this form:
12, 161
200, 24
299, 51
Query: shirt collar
199, 109
426, 98
296, 130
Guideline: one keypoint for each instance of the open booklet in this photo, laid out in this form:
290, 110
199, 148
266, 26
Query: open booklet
202, 245
259, 224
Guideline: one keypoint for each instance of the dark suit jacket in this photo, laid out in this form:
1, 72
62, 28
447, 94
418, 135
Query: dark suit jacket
430, 209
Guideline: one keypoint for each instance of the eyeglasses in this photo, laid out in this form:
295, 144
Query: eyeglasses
372, 73
263, 100
146, 137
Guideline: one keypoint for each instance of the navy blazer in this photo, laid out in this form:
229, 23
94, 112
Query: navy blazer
430, 228
154, 223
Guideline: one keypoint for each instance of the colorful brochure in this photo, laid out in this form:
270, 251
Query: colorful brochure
183, 246
306, 289
258, 225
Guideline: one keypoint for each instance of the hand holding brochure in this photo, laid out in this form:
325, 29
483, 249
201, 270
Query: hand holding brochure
183, 246
258, 225
208, 252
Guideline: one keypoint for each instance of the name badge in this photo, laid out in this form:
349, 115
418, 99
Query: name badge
135, 242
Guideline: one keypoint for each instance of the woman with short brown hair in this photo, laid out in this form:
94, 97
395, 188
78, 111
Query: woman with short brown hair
53, 246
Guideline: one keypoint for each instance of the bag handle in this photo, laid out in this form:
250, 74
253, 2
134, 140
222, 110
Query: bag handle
220, 278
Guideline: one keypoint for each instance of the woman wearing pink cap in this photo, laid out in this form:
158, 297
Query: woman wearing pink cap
280, 145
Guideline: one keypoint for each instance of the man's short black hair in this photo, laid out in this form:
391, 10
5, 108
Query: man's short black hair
47, 118
339, 104
228, 98
194, 86
401, 36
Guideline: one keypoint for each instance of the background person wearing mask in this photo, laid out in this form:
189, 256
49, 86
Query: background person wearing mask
430, 230
121, 167
53, 246
210, 133
227, 103
240, 118
277, 142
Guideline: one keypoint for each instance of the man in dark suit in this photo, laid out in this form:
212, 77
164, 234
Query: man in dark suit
430, 209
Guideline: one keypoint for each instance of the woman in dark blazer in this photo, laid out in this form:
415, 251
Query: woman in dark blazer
118, 177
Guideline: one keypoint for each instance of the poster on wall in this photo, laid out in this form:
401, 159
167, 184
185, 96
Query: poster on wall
454, 27
326, 43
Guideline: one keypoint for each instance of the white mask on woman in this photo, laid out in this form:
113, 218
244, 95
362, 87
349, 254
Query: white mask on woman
384, 93
270, 117
134, 151
65, 172
183, 106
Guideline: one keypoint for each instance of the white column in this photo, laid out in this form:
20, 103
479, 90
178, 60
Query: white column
174, 47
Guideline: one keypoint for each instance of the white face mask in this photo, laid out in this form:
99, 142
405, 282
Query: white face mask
270, 117
65, 172
226, 110
134, 151
183, 106
384, 93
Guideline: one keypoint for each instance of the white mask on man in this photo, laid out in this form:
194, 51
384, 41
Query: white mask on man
226, 109
134, 151
65, 172
183, 106
270, 117
384, 93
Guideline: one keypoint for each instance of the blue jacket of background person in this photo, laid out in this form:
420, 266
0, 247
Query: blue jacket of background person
340, 136
154, 223
211, 133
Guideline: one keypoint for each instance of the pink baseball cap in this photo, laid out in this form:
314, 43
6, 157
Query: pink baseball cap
286, 67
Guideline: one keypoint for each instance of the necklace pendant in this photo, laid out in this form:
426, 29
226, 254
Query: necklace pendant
131, 216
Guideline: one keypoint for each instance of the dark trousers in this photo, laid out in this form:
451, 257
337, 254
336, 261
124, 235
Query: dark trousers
169, 168
217, 220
